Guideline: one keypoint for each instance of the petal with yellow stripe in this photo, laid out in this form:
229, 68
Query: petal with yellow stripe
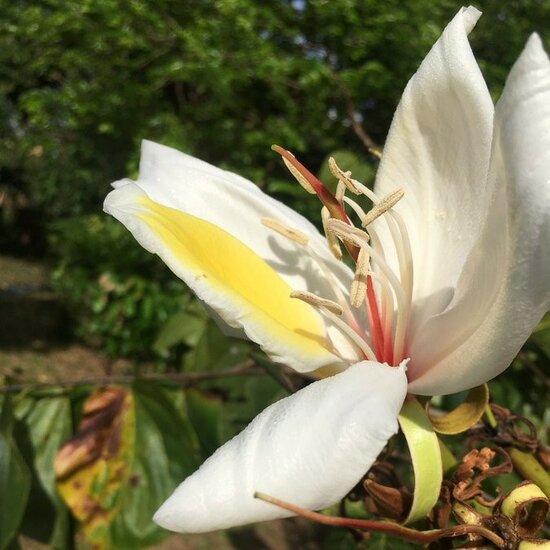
228, 276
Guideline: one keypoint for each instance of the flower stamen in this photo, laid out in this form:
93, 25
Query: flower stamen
286, 231
317, 301
299, 177
389, 312
360, 239
359, 285
333, 242
400, 237
389, 201
343, 177
348, 331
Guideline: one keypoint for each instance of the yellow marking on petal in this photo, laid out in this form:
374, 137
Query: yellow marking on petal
239, 275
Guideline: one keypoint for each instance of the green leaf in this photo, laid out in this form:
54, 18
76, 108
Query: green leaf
47, 423
214, 350
180, 328
426, 458
379, 541
166, 451
14, 479
205, 413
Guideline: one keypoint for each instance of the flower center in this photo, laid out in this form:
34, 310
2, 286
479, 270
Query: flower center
381, 286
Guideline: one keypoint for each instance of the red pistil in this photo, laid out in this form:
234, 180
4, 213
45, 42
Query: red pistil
377, 334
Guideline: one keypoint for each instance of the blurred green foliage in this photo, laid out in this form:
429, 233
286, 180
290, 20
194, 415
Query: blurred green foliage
118, 294
81, 83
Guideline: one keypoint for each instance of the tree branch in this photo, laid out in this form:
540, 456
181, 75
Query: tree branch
351, 111
185, 379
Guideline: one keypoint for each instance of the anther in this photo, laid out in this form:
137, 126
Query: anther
346, 232
375, 152
333, 243
299, 178
341, 176
286, 231
317, 301
340, 191
389, 201
359, 284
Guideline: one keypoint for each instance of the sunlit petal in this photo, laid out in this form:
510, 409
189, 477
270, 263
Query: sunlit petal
309, 449
227, 275
236, 205
438, 151
505, 288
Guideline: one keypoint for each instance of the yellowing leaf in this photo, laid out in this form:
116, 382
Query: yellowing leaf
465, 415
93, 467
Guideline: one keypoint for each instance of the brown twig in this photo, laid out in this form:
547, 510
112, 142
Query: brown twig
351, 111
390, 528
185, 379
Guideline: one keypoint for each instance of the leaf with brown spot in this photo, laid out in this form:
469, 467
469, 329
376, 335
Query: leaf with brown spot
93, 467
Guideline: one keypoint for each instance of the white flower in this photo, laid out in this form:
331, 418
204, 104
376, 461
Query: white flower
473, 224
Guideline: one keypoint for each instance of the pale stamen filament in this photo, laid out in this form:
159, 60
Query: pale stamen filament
407, 278
340, 191
399, 234
387, 302
359, 212
408, 283
402, 245
360, 239
404, 259
352, 335
338, 294
340, 324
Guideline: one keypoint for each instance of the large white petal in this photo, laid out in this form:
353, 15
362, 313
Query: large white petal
235, 204
438, 150
505, 288
227, 275
309, 449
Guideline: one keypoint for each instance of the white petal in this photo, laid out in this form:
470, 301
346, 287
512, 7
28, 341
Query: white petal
438, 150
235, 204
309, 449
505, 288
228, 276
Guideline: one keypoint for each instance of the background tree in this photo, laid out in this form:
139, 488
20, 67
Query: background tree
81, 84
